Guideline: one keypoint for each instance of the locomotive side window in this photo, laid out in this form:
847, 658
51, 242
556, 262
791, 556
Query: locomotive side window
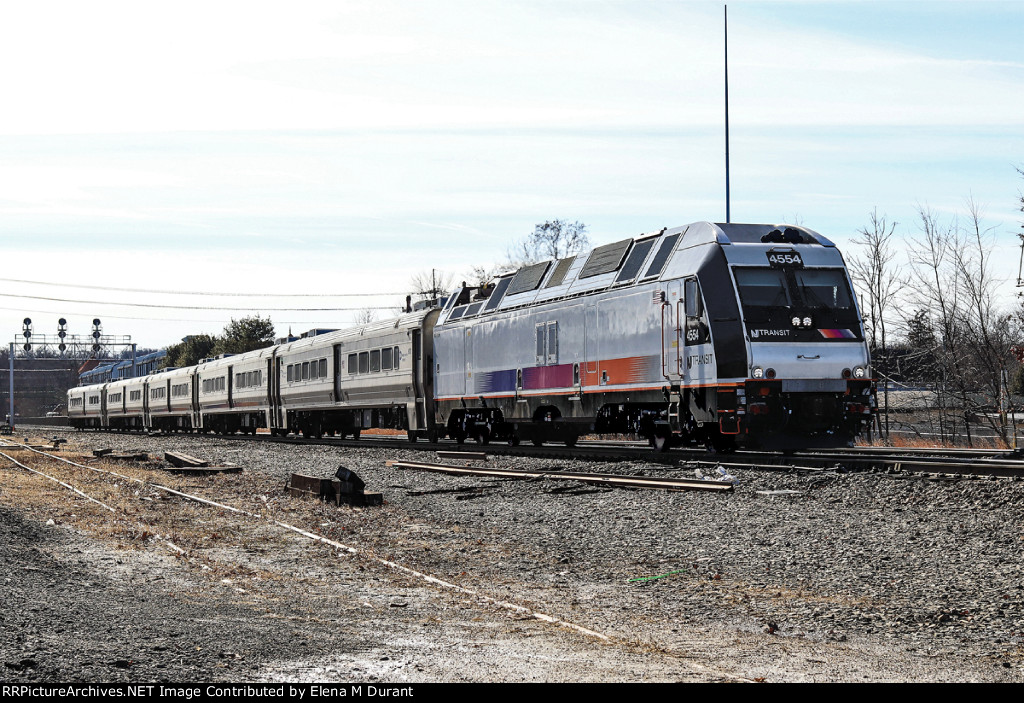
552, 357
541, 343
694, 302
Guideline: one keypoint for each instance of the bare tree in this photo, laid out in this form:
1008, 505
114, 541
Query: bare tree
876, 276
554, 239
365, 316
428, 285
952, 280
481, 274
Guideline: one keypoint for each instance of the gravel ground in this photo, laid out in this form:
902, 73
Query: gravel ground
823, 577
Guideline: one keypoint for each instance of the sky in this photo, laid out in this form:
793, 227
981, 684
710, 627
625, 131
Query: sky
166, 168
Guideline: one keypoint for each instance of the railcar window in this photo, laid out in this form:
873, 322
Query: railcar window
636, 259
558, 277
353, 364
661, 257
305, 370
528, 278
762, 287
364, 362
385, 359
290, 370
314, 371
552, 343
323, 368
823, 288
375, 361
606, 259
498, 294
396, 357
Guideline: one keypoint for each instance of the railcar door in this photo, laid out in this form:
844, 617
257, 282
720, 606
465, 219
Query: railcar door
450, 362
672, 317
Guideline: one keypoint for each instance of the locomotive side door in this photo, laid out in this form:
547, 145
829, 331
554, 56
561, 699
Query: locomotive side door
672, 317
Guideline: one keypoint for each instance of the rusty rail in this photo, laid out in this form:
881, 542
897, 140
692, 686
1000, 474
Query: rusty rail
658, 482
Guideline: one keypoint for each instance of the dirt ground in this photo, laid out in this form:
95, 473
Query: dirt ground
164, 589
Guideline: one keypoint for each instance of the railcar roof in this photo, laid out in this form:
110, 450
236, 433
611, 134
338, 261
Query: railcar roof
627, 262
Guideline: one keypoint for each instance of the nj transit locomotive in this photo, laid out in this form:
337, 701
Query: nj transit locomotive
718, 334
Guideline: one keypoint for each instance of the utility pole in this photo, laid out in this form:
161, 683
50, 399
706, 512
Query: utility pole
728, 215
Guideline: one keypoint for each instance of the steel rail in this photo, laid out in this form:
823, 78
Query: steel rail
658, 482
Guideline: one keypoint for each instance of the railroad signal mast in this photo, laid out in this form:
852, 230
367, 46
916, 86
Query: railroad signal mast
63, 346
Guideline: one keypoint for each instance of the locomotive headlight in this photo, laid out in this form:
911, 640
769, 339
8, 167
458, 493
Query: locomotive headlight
757, 372
770, 373
795, 321
807, 322
859, 372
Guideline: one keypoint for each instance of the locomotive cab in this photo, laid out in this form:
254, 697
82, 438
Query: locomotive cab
807, 368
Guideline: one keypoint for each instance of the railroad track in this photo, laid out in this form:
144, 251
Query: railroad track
947, 461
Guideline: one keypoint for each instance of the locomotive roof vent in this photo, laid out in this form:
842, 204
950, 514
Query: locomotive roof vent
790, 235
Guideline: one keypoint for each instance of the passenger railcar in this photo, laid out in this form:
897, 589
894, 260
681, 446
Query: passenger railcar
375, 375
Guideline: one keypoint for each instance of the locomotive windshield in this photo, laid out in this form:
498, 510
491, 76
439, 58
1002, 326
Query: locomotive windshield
819, 298
762, 288
823, 288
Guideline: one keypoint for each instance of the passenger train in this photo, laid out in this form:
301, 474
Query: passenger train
723, 335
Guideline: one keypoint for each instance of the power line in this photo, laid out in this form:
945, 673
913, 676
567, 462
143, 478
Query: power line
189, 292
194, 307
149, 318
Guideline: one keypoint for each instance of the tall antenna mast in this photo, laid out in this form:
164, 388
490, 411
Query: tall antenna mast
727, 211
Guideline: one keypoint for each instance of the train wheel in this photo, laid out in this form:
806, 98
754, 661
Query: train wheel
514, 441
571, 440
718, 444
412, 436
537, 442
355, 433
483, 436
660, 442
460, 437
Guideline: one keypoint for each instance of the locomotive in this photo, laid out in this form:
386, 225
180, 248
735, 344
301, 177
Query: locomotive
725, 335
